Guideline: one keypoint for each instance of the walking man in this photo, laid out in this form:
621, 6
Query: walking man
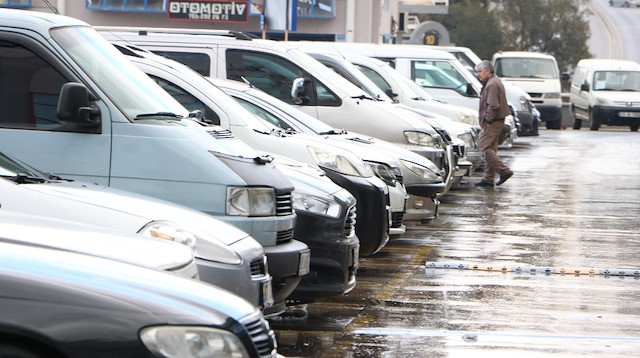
493, 109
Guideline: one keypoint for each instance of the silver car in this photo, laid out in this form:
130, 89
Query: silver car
226, 256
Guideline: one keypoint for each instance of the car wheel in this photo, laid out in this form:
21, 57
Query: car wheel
577, 122
634, 127
611, 2
11, 351
593, 122
553, 124
534, 127
626, 4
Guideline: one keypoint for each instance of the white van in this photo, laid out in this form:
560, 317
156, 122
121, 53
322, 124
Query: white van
538, 75
275, 67
72, 104
461, 87
606, 92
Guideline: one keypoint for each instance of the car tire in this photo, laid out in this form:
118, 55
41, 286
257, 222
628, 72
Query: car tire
553, 124
534, 127
634, 127
593, 122
577, 122
12, 351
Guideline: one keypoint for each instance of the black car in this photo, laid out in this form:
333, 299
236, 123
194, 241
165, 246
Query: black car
326, 222
56, 303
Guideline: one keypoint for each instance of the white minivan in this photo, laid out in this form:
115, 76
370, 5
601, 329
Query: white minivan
538, 75
606, 92
275, 67
72, 104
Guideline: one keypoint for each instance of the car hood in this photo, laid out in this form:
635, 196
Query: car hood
110, 244
115, 290
618, 96
117, 209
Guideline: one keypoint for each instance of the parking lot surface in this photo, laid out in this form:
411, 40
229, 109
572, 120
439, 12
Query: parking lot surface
545, 265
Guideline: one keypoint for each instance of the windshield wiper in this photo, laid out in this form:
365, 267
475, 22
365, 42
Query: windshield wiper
157, 114
363, 96
333, 131
22, 178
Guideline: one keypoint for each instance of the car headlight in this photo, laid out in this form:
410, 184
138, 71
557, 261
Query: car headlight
467, 117
247, 201
421, 171
192, 342
384, 172
525, 104
467, 138
168, 231
323, 205
340, 162
202, 245
420, 138
552, 95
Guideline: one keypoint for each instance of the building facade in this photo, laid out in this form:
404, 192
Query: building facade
372, 21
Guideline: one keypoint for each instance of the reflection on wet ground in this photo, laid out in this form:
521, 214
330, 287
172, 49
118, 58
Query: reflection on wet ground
573, 206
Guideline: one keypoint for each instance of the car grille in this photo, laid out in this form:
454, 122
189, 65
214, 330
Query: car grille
396, 219
284, 204
283, 237
350, 222
258, 267
261, 334
220, 133
459, 150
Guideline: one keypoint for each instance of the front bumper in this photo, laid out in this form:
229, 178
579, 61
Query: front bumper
334, 253
250, 279
372, 224
616, 116
288, 262
421, 209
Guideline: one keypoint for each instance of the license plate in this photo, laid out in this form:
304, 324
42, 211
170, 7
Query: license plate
305, 262
629, 114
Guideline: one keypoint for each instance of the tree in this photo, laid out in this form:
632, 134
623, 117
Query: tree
557, 27
471, 25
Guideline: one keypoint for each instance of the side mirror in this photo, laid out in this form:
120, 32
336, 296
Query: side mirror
584, 86
75, 111
299, 91
565, 76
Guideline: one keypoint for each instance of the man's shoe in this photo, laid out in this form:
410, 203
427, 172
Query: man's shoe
503, 178
484, 183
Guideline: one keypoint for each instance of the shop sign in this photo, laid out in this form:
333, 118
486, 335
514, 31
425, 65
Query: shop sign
209, 10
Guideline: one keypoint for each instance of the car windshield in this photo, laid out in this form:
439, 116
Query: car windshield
616, 81
522, 67
127, 86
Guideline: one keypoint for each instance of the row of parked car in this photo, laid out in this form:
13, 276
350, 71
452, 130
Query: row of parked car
261, 169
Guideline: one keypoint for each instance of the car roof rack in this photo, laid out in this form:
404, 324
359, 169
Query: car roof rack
240, 35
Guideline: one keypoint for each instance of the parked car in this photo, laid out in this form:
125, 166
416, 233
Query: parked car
525, 112
343, 167
606, 92
539, 76
226, 256
419, 175
77, 107
406, 58
624, 3
57, 303
47, 232
326, 219
363, 76
290, 75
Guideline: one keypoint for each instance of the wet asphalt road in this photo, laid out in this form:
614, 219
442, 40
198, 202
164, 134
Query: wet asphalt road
568, 219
